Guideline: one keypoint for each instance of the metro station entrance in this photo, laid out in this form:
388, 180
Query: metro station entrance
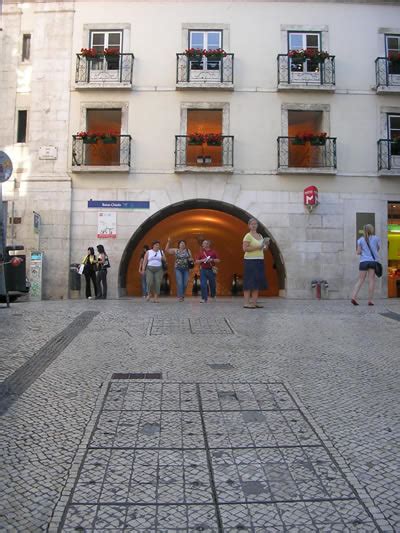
223, 224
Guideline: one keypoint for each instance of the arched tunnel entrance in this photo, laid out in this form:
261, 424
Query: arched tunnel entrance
194, 220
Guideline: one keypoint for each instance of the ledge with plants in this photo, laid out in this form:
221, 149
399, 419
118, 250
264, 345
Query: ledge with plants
198, 53
91, 137
315, 139
212, 139
93, 53
312, 54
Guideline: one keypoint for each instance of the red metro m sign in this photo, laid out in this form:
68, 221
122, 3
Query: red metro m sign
311, 197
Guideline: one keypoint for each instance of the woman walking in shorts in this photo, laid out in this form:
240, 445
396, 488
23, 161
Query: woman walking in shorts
368, 247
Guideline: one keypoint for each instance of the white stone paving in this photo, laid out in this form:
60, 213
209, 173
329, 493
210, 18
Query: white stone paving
341, 362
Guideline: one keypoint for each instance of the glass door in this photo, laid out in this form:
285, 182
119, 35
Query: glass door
201, 67
392, 45
107, 66
304, 70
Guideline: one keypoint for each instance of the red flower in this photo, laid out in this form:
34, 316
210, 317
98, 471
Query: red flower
89, 52
111, 51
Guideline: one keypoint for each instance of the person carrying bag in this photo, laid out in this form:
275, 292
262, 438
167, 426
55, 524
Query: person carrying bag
368, 249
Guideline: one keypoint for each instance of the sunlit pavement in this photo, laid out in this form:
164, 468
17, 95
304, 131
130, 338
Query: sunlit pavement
122, 415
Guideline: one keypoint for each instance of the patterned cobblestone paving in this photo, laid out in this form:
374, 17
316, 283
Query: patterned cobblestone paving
343, 364
208, 457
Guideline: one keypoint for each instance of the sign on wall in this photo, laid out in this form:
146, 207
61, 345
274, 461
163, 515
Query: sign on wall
106, 225
114, 204
36, 276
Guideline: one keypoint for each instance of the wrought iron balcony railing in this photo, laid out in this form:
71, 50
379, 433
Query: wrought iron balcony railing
203, 155
389, 154
314, 155
113, 69
310, 72
98, 152
203, 71
387, 73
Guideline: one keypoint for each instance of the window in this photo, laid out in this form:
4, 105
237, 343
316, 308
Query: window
104, 121
300, 123
21, 126
100, 40
204, 121
205, 40
26, 47
392, 45
394, 133
303, 41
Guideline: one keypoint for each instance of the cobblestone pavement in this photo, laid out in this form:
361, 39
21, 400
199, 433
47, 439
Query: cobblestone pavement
279, 419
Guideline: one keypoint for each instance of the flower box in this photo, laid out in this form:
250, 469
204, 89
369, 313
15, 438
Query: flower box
215, 55
298, 142
89, 140
318, 142
316, 56
214, 139
109, 140
194, 53
394, 57
196, 139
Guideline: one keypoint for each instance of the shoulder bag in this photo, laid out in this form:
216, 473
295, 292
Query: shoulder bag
378, 266
190, 260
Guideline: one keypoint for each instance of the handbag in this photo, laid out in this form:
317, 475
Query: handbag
190, 261
214, 269
81, 268
164, 263
378, 266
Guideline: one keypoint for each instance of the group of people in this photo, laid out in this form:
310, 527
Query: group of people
153, 263
95, 268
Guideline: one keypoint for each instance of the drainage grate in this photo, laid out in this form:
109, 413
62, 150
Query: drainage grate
221, 366
137, 375
392, 315
20, 380
208, 457
193, 326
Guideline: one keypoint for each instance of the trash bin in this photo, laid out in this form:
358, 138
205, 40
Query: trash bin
15, 275
74, 280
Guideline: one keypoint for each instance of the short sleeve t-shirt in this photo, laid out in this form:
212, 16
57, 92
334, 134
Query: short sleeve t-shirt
374, 243
256, 254
203, 254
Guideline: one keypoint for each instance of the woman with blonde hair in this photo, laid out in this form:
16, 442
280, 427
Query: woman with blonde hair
368, 249
254, 280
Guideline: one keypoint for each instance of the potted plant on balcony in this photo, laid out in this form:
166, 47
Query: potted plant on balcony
394, 57
88, 137
317, 56
214, 139
318, 139
196, 138
298, 140
110, 137
194, 53
112, 56
90, 53
216, 54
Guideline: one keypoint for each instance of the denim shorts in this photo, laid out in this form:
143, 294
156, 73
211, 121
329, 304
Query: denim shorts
366, 265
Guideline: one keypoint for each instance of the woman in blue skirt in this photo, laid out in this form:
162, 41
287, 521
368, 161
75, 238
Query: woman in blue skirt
254, 280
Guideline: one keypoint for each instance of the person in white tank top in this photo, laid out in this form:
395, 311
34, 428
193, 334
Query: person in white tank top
153, 268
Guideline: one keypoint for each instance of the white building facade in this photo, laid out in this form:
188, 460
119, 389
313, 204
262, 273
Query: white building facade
101, 106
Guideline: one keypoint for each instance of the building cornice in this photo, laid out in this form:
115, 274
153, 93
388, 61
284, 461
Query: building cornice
324, 2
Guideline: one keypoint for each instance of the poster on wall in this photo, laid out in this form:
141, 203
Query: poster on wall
106, 225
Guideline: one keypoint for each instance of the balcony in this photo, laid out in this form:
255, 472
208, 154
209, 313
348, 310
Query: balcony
305, 75
389, 157
101, 155
203, 156
104, 72
308, 157
200, 72
387, 76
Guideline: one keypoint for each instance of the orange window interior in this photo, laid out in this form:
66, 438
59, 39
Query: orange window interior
204, 121
301, 122
103, 121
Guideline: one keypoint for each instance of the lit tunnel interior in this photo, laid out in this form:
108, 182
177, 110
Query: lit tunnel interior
225, 230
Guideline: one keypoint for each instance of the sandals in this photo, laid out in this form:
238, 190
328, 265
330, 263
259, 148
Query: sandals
250, 307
